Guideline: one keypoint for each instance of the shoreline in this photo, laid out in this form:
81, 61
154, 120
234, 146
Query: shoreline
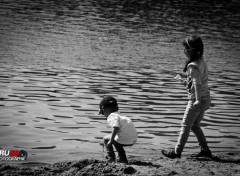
227, 163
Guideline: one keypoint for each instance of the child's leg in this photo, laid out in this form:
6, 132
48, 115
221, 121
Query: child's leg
199, 133
189, 117
121, 152
109, 148
196, 129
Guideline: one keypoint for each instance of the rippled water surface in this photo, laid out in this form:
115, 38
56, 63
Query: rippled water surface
59, 58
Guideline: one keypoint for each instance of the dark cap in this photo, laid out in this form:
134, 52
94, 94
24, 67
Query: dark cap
105, 102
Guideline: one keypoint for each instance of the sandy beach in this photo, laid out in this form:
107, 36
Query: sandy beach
222, 164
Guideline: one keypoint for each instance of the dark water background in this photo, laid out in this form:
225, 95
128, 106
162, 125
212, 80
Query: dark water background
59, 58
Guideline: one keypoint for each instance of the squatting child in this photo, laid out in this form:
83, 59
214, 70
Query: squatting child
123, 130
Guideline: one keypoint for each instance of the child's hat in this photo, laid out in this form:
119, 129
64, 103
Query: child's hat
106, 101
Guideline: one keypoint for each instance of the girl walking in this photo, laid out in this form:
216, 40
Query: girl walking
199, 98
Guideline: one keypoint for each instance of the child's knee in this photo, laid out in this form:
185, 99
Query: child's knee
106, 138
195, 128
105, 141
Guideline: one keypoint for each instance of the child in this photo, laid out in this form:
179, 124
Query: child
123, 130
199, 99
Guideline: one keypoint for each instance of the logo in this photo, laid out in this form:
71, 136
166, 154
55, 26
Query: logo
13, 155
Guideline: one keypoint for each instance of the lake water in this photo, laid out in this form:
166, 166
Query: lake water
59, 58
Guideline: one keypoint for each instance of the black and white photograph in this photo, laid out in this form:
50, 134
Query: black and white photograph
120, 87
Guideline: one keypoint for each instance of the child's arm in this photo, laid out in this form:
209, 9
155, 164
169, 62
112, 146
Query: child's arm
197, 85
197, 103
197, 88
114, 133
182, 81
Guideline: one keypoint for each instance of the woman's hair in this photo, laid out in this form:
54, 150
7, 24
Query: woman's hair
194, 46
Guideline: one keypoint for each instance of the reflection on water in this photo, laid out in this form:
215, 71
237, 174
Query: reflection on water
59, 58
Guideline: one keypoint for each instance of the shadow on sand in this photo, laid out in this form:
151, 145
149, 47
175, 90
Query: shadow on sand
222, 158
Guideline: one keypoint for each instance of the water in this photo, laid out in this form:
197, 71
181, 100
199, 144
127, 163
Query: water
59, 58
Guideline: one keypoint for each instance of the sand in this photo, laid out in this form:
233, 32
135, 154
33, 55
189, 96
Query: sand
221, 164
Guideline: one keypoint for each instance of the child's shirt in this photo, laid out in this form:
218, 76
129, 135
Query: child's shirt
127, 133
198, 73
